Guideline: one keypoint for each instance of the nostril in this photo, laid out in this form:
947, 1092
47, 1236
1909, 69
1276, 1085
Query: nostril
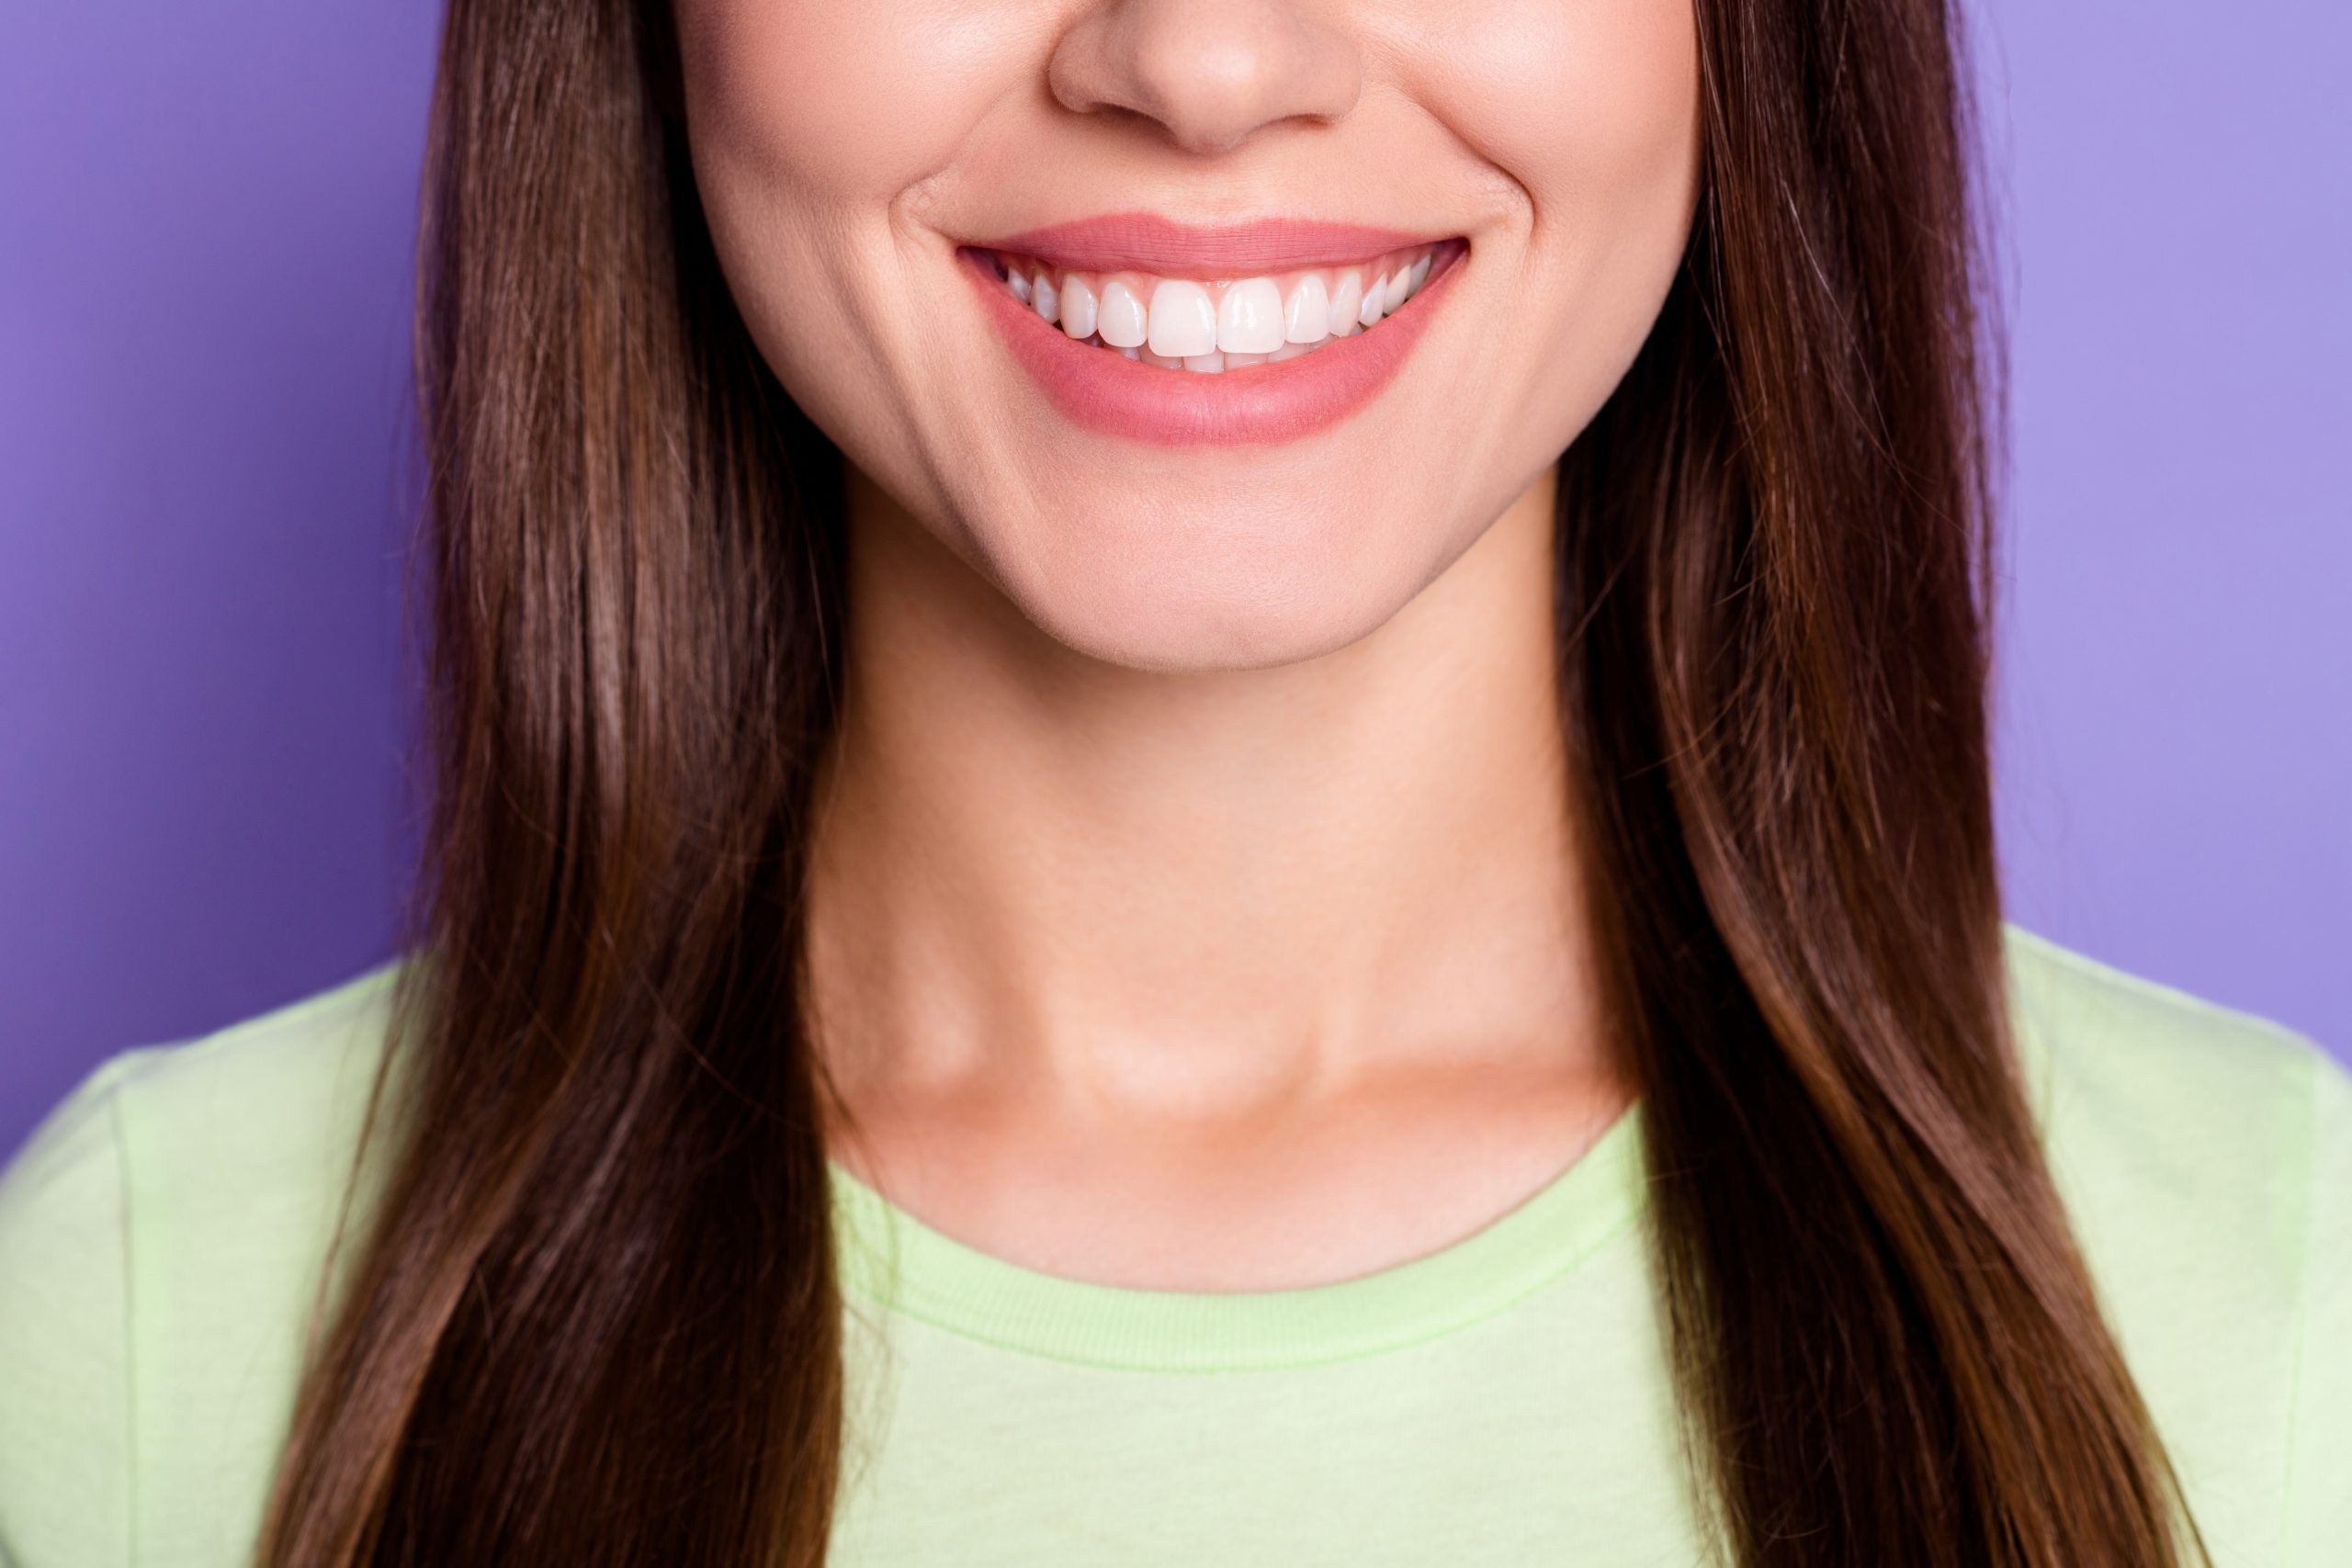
1207, 75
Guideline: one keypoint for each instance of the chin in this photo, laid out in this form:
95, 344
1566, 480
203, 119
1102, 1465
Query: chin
1211, 598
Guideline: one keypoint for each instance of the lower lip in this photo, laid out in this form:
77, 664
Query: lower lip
1105, 391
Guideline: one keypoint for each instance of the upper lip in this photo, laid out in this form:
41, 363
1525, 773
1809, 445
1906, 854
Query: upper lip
1146, 241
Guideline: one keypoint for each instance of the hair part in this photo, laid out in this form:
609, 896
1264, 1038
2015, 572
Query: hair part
592, 1313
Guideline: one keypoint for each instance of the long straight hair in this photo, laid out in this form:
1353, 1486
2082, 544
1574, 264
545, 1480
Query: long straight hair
591, 1315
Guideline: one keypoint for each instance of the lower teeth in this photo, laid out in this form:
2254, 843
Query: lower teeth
1210, 364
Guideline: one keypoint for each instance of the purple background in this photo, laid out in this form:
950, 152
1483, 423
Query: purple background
206, 230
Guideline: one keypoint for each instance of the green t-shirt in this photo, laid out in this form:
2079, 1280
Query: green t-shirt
1503, 1400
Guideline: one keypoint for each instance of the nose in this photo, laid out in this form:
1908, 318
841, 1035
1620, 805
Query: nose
1209, 72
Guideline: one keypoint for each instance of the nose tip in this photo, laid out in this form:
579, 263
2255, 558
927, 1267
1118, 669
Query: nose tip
1209, 72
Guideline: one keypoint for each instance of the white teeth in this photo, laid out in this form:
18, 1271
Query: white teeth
1307, 316
1347, 296
1214, 326
1183, 321
1077, 307
1250, 317
1123, 320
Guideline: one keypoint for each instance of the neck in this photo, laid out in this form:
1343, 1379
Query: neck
1198, 894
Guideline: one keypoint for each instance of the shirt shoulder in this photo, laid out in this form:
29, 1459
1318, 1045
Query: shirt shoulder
162, 1238
2205, 1156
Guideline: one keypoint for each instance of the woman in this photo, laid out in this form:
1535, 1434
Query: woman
1212, 787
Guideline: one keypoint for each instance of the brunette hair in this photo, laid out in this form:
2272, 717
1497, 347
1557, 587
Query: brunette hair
593, 1316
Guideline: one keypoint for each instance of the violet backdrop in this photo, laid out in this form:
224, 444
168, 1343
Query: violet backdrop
206, 238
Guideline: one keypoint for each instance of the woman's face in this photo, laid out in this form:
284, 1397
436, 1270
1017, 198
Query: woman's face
1263, 477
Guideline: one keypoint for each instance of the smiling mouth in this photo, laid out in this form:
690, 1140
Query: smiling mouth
1297, 324
1214, 324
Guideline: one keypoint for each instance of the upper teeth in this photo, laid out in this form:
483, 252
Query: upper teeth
1215, 326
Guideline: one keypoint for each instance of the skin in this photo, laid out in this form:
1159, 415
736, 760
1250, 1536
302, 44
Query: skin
1194, 904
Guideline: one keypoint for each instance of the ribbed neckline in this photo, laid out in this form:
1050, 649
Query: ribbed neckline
943, 1283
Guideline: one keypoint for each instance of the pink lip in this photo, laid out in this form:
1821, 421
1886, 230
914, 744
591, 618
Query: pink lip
1105, 391
1145, 242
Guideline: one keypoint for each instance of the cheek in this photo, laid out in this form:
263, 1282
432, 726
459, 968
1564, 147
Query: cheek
1589, 113
1577, 103
849, 105
815, 128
